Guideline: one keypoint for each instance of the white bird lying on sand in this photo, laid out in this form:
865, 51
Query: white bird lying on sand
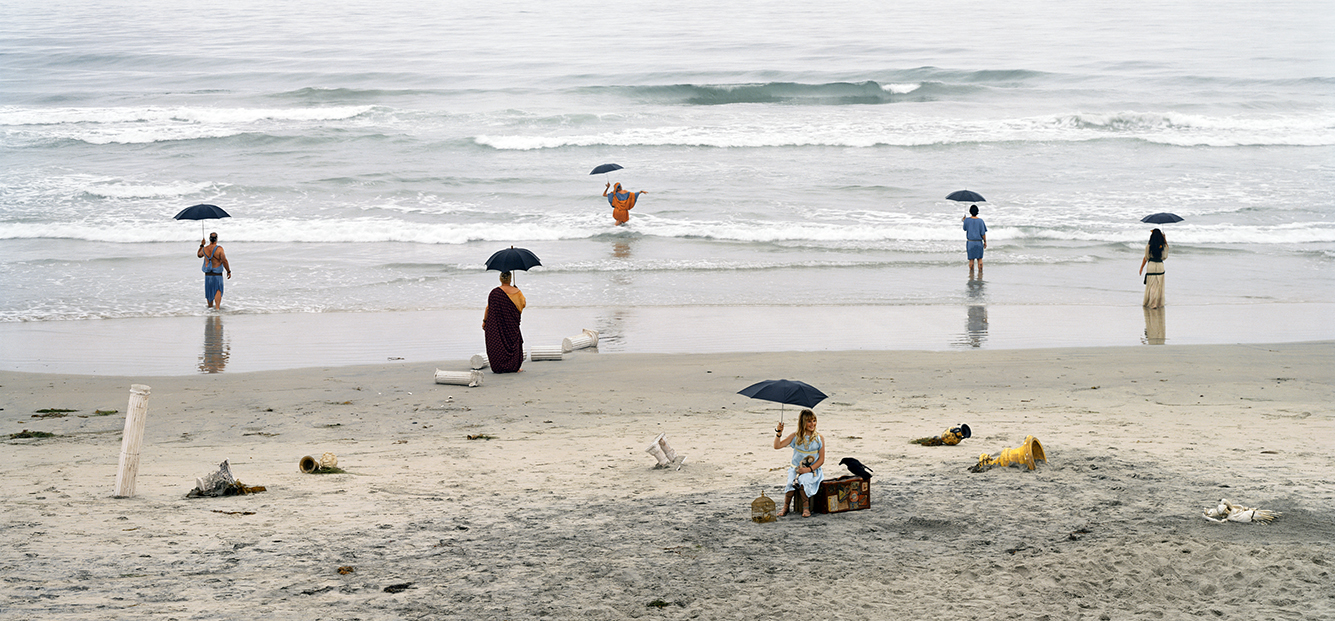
1229, 512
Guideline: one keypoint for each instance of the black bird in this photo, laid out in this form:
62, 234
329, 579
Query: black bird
860, 471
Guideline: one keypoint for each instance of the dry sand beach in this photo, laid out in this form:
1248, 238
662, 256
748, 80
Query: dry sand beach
561, 516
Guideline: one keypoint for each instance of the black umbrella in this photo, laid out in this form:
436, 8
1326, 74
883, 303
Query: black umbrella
512, 259
605, 168
202, 212
784, 391
966, 196
1162, 218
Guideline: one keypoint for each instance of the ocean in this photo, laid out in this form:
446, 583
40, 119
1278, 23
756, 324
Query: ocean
795, 158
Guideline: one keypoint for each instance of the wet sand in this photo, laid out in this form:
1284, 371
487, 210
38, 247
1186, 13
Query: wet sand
238, 342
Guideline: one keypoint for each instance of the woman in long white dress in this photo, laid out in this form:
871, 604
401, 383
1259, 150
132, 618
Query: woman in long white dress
1155, 253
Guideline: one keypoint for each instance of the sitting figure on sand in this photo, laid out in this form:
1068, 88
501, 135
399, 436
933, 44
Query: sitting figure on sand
805, 477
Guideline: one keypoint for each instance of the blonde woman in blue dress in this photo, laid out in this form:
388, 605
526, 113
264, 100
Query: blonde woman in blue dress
805, 476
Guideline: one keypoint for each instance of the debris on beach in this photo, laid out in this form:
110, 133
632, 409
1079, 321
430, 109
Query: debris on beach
52, 413
346, 569
398, 588
221, 483
949, 437
471, 379
31, 434
481, 436
100, 413
326, 464
1226, 511
588, 338
1025, 455
666, 456
546, 353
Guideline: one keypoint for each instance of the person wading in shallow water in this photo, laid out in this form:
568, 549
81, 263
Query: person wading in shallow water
622, 202
215, 263
975, 232
1155, 253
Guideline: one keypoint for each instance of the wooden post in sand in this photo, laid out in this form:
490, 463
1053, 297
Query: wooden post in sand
135, 416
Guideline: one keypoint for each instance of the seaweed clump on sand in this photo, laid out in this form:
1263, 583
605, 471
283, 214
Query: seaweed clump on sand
31, 434
52, 413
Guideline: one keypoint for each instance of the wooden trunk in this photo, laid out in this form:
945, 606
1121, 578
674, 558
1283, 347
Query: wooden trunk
848, 493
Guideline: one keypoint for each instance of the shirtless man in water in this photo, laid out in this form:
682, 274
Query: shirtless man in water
215, 262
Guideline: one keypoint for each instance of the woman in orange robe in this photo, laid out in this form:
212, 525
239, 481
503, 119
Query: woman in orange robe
622, 202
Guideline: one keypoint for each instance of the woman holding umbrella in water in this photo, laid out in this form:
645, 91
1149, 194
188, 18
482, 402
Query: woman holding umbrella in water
1155, 252
622, 202
805, 477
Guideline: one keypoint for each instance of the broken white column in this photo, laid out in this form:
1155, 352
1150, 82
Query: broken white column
462, 378
588, 339
133, 438
546, 353
657, 451
664, 453
480, 361
667, 450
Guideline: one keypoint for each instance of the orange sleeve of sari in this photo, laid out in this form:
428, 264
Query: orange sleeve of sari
518, 298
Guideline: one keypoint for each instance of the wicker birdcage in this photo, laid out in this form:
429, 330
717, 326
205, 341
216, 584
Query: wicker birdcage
762, 509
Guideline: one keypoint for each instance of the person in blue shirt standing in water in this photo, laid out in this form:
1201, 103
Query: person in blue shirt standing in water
976, 234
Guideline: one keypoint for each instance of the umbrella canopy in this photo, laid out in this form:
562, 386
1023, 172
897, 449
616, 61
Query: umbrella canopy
605, 168
1162, 218
785, 391
966, 196
202, 212
512, 259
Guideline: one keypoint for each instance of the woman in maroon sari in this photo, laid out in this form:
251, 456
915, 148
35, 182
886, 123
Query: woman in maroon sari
500, 323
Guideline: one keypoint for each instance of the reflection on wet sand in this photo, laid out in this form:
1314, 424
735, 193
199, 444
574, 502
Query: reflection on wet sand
620, 279
975, 326
1155, 327
976, 329
216, 348
611, 326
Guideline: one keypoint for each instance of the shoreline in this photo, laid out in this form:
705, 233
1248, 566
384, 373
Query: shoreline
238, 343
558, 513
